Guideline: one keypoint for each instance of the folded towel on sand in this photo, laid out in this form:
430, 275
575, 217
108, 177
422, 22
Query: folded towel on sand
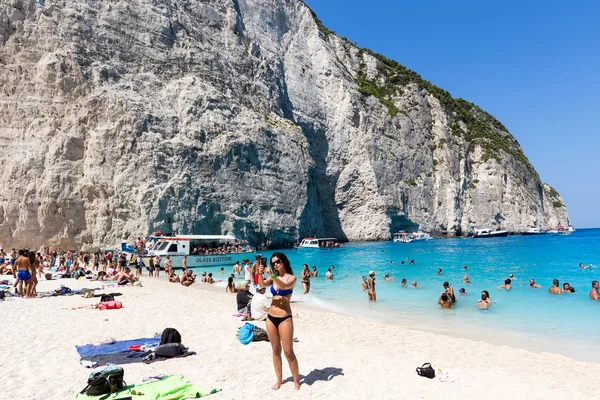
117, 347
173, 387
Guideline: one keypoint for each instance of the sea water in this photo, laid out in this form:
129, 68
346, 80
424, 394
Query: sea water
522, 317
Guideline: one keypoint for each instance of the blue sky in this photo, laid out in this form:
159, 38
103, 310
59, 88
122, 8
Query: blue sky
534, 65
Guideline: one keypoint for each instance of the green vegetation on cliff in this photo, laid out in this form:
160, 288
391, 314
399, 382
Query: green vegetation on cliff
554, 197
481, 127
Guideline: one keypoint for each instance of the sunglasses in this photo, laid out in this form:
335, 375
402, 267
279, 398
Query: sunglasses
273, 263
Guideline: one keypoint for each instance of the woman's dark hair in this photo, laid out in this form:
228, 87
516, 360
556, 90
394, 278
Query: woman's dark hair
31, 257
444, 297
446, 284
507, 281
483, 296
230, 282
487, 294
284, 260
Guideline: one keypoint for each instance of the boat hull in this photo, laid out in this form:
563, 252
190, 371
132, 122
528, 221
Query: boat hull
491, 235
532, 233
216, 260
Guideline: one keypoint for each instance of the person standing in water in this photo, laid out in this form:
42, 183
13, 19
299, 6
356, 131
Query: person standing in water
280, 325
555, 289
371, 286
306, 278
594, 295
450, 292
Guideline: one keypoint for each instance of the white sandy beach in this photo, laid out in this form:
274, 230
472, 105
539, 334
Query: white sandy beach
340, 357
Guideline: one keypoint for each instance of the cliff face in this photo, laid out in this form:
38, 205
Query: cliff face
245, 117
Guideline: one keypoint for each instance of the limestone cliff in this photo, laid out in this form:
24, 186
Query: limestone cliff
235, 116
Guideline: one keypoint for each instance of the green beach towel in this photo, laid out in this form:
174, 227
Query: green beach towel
174, 387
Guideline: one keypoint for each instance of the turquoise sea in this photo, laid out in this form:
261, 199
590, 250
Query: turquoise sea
522, 317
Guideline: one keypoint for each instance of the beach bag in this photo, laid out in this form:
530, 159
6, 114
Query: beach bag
426, 370
170, 335
109, 305
105, 381
48, 276
260, 335
246, 333
106, 297
169, 350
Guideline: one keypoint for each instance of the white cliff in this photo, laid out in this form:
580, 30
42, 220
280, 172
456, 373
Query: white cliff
245, 117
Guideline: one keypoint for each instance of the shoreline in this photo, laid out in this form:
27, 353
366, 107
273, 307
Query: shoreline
340, 356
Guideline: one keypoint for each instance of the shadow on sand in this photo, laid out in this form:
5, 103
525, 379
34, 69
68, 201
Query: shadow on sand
316, 375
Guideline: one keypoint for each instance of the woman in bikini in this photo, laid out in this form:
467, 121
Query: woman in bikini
306, 278
280, 326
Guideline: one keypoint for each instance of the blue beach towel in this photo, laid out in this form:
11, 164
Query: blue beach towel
246, 333
117, 347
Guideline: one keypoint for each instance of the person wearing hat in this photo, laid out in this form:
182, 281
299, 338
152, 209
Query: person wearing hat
259, 307
371, 286
243, 298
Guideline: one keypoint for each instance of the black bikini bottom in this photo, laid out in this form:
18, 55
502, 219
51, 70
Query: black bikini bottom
277, 320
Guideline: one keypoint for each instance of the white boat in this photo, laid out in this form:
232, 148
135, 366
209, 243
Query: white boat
408, 237
319, 243
533, 231
488, 233
201, 250
562, 230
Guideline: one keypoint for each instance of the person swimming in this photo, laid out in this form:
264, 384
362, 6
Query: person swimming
387, 277
403, 283
445, 301
567, 288
555, 289
534, 285
466, 279
439, 271
483, 302
506, 285
462, 291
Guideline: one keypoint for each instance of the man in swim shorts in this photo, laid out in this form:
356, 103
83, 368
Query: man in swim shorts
21, 272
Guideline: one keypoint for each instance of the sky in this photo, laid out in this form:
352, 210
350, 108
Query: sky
534, 65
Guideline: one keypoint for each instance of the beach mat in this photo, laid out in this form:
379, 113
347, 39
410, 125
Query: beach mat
128, 357
117, 347
174, 387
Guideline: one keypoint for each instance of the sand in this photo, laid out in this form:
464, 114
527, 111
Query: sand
340, 357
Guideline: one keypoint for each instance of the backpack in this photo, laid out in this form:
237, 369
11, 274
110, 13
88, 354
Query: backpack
426, 370
260, 335
170, 335
169, 350
105, 381
106, 297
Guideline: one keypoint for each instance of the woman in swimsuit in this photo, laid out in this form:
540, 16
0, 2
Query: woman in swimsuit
306, 278
280, 326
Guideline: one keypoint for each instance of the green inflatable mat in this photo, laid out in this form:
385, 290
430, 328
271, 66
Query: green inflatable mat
174, 387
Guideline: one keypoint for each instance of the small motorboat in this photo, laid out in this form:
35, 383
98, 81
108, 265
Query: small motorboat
488, 233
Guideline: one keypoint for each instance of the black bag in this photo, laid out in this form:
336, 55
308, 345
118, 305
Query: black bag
426, 370
105, 381
170, 335
260, 335
169, 350
106, 297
